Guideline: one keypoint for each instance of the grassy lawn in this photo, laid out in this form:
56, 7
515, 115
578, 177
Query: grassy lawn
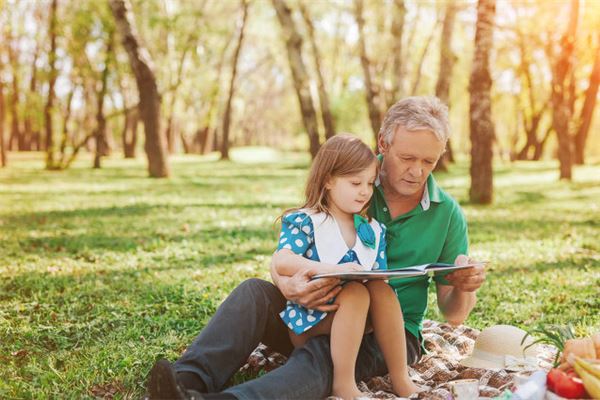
103, 271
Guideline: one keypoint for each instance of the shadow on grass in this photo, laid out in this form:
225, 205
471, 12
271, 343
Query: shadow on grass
42, 218
79, 246
488, 230
32, 285
583, 263
133, 210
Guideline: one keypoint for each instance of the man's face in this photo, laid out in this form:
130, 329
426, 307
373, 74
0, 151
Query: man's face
408, 160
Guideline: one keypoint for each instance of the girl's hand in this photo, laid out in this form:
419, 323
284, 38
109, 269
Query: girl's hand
349, 267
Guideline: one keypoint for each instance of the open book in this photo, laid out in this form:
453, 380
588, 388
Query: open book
415, 270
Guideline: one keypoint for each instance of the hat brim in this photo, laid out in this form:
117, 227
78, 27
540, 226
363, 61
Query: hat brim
474, 362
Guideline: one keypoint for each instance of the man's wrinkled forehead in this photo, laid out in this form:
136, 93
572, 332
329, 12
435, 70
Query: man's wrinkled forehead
400, 129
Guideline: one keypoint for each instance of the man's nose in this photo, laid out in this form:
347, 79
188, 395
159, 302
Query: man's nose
416, 170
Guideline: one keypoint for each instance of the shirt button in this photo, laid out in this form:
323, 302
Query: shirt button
385, 209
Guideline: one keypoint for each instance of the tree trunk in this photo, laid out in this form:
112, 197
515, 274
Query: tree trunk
399, 15
130, 120
561, 95
447, 56
125, 130
419, 68
531, 132
539, 147
15, 142
130, 133
52, 80
294, 51
185, 143
206, 144
3, 159
370, 92
323, 97
149, 106
28, 134
531, 123
65, 132
481, 126
338, 39
170, 133
100, 131
234, 65
587, 111
447, 60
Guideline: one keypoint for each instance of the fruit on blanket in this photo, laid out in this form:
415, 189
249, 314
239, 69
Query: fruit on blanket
592, 368
564, 385
553, 377
590, 375
584, 348
596, 340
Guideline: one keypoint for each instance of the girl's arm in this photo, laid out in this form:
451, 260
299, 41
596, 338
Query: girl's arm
286, 263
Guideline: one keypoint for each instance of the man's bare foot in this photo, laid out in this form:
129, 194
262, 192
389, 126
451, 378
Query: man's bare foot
346, 392
405, 387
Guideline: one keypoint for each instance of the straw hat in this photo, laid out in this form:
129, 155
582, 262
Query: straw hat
499, 346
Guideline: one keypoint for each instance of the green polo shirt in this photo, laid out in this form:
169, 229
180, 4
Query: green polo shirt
434, 231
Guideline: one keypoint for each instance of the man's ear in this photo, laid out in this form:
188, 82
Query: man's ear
382, 145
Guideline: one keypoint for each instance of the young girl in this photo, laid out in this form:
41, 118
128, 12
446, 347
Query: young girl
332, 232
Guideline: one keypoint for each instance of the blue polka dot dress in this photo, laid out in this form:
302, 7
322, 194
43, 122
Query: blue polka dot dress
318, 237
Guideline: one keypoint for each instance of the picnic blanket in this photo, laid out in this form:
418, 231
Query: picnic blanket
445, 345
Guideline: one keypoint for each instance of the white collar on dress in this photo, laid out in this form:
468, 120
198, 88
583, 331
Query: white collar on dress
330, 243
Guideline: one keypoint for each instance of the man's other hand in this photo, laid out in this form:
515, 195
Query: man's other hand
311, 294
467, 279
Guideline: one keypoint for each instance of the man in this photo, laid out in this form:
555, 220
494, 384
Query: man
424, 224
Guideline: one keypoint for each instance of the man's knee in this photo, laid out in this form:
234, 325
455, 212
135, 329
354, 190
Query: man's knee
256, 286
259, 293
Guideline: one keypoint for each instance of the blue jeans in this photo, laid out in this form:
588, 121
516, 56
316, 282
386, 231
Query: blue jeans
250, 315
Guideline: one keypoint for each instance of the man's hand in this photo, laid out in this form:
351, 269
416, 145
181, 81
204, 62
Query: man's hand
467, 279
311, 294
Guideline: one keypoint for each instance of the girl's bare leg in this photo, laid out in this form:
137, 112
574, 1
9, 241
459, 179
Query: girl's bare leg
346, 327
388, 324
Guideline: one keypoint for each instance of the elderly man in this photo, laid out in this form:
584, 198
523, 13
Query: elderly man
424, 224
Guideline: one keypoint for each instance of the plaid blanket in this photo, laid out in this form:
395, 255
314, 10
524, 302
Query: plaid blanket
445, 345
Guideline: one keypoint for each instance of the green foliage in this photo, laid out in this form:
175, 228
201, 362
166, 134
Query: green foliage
104, 271
555, 335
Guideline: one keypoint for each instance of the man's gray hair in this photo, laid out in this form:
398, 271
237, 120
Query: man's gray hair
417, 113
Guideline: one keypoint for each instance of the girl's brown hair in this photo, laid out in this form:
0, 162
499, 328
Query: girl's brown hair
341, 155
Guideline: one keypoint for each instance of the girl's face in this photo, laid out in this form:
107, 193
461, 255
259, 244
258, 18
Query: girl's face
349, 194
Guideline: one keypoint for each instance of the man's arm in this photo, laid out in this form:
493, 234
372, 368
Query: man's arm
456, 300
298, 287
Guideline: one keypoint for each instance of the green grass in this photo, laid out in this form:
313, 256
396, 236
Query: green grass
103, 271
